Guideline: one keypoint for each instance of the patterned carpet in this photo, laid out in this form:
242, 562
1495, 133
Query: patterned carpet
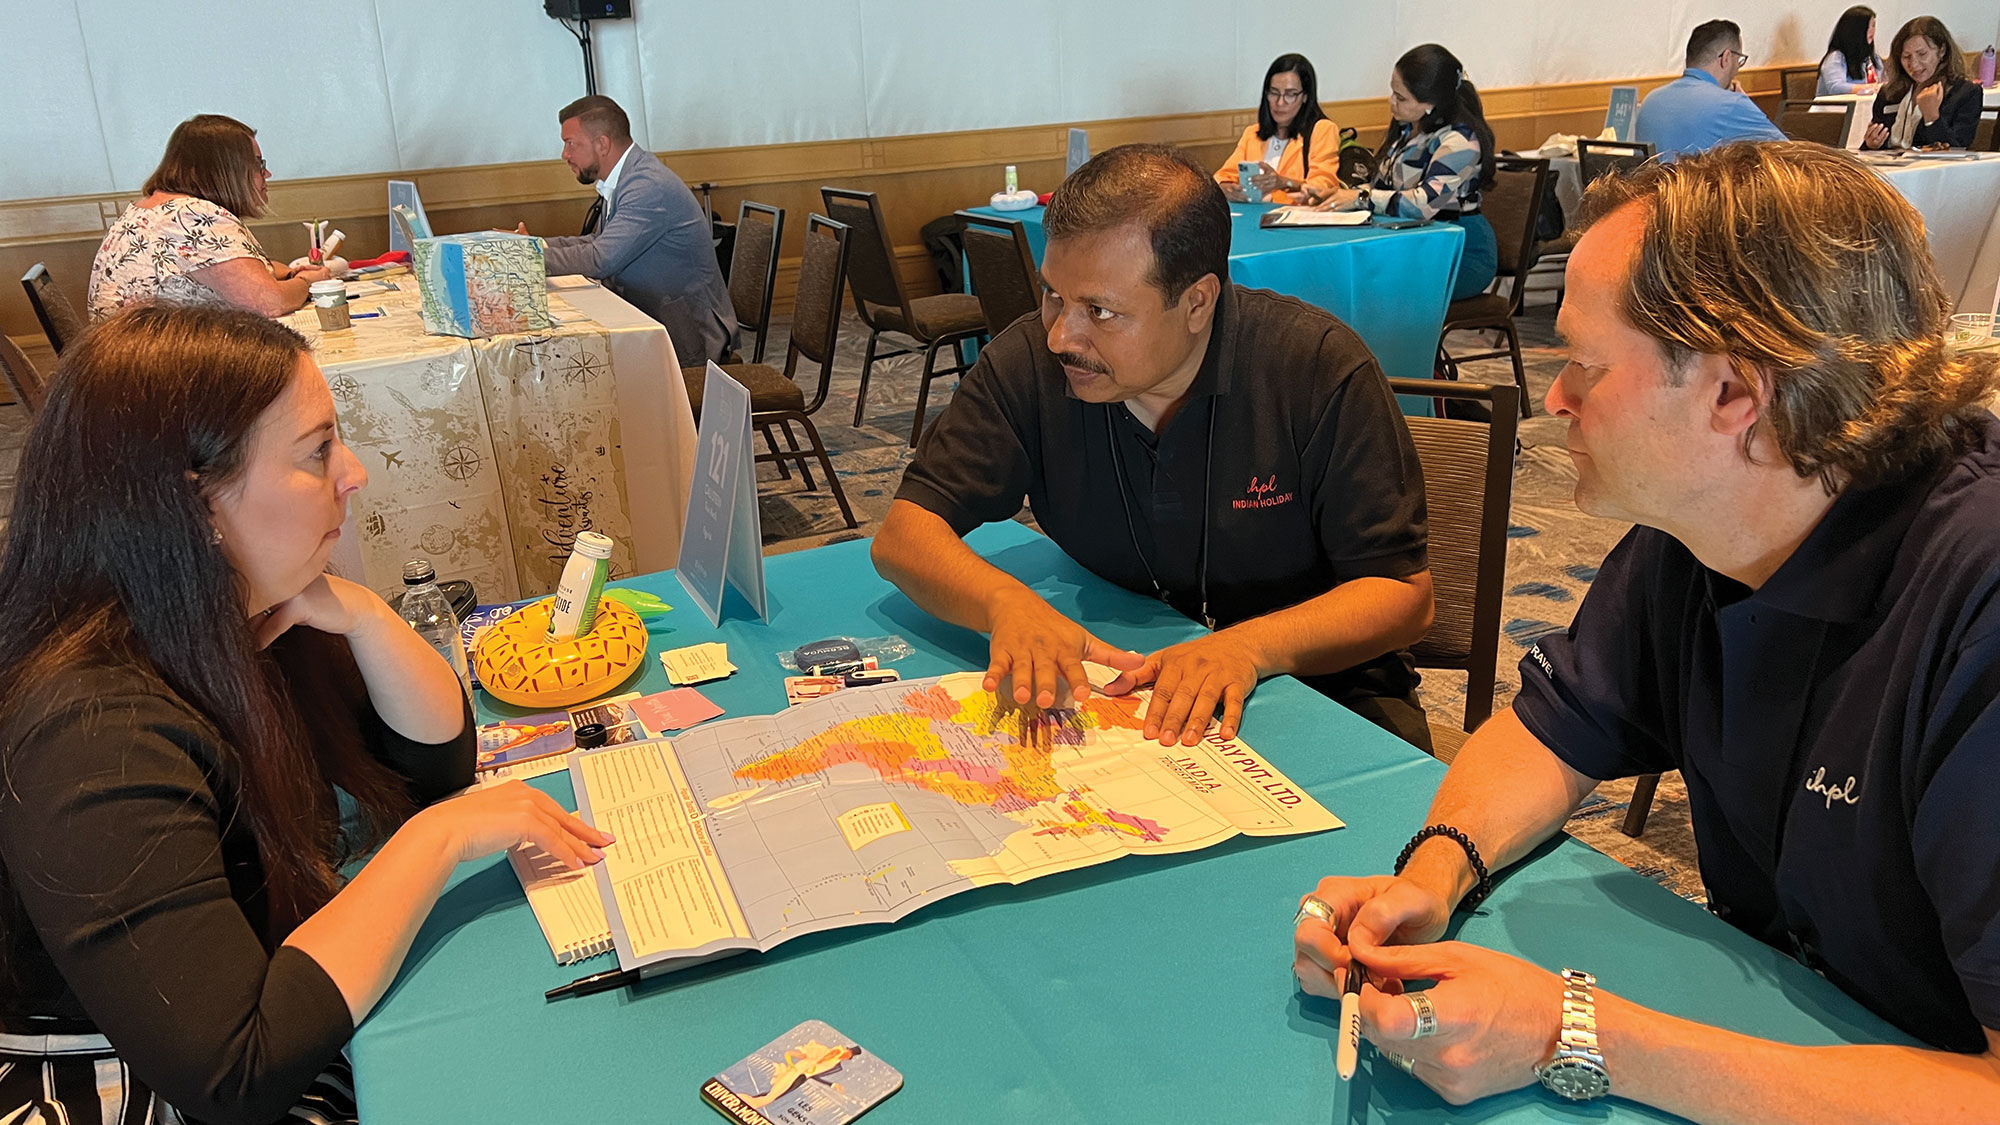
1553, 549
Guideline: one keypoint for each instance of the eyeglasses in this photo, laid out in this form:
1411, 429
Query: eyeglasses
1285, 96
263, 167
1741, 58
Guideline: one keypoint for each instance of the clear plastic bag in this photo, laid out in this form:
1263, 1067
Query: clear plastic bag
885, 650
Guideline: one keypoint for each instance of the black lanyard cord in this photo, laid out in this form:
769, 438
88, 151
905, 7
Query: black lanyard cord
1131, 525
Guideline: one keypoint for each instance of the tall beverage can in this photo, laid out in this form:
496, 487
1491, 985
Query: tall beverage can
582, 583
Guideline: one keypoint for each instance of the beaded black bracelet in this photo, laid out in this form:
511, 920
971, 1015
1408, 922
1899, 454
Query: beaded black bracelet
1482, 888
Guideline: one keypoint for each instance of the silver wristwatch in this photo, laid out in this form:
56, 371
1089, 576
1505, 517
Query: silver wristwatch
1576, 1070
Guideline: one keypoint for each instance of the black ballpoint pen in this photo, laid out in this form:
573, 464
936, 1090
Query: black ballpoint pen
596, 982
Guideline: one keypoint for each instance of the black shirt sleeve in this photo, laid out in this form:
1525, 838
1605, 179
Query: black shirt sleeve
1593, 695
1370, 498
113, 841
977, 462
1952, 838
332, 699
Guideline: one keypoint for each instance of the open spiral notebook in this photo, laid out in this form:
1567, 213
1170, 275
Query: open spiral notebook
565, 902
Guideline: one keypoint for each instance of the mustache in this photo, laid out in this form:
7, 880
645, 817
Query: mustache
1072, 359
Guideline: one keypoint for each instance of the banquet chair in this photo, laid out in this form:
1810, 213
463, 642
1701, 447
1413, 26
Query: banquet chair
885, 305
1512, 205
22, 378
1641, 805
1596, 159
1799, 83
60, 320
1001, 268
1468, 492
1801, 122
753, 268
776, 401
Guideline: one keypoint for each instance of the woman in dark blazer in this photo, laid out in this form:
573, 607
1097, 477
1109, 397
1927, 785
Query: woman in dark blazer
1928, 102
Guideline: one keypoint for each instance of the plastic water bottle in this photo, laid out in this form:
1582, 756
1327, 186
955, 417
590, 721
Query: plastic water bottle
429, 612
1986, 67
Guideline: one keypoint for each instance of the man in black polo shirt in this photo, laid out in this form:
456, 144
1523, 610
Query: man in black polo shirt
1806, 624
1235, 452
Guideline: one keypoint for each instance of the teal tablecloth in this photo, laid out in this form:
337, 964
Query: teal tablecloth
1390, 286
1143, 990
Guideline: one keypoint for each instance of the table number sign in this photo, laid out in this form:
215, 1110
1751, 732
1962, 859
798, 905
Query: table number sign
723, 541
1624, 109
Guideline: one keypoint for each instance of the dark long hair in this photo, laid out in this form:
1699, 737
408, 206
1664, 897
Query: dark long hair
1434, 75
1310, 113
1850, 38
1951, 64
110, 560
210, 157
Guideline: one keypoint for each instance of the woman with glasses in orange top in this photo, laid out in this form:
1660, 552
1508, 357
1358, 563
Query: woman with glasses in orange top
186, 241
1293, 143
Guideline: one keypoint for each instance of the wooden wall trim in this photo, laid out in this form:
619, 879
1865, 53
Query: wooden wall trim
919, 177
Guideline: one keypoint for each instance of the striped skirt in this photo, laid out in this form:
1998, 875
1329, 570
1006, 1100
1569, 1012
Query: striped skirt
80, 1080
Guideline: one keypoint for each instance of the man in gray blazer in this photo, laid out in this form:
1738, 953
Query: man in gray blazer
652, 244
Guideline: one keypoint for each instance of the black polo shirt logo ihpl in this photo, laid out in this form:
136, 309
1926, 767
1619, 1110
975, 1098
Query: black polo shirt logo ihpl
1263, 492
1816, 782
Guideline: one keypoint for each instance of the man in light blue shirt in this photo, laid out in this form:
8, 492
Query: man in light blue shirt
1701, 108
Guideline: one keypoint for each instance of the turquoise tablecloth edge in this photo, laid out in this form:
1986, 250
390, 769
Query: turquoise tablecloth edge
480, 963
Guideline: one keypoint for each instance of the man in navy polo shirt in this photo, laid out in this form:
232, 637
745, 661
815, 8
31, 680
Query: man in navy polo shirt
1805, 623
1233, 451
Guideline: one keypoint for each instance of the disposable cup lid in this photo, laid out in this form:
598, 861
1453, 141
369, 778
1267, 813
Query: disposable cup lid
330, 285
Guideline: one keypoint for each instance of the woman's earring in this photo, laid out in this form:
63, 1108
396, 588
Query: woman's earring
215, 536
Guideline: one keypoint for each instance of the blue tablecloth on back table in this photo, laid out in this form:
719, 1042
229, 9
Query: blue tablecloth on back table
1149, 989
1390, 286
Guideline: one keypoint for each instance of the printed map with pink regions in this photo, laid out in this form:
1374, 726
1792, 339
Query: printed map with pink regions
975, 751
872, 802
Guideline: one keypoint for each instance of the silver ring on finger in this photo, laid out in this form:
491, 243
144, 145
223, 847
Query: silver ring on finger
1427, 1020
1313, 907
1404, 1063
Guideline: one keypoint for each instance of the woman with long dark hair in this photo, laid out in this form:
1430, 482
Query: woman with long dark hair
1294, 143
1928, 101
184, 690
1435, 161
186, 241
1851, 65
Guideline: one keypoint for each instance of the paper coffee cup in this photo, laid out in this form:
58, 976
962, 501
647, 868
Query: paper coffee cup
329, 299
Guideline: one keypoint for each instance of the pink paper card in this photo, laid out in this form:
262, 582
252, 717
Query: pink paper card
672, 710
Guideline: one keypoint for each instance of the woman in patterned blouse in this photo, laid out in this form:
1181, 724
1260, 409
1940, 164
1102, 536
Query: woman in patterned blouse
1437, 158
186, 243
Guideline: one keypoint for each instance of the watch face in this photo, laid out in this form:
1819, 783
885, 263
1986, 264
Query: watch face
1576, 1079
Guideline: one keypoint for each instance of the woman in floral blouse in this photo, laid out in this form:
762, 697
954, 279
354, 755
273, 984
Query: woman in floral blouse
186, 243
1434, 163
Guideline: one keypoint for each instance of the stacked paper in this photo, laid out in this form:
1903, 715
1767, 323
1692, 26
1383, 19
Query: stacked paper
697, 664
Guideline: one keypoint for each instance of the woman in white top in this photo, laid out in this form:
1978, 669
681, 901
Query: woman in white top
1851, 65
185, 242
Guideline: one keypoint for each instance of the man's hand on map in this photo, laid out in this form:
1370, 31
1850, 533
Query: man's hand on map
1036, 652
1189, 680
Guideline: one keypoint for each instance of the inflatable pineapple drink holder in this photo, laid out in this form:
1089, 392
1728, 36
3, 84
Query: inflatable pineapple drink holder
517, 662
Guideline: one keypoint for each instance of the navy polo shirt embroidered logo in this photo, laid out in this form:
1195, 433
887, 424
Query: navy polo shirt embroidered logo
1541, 661
1839, 791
